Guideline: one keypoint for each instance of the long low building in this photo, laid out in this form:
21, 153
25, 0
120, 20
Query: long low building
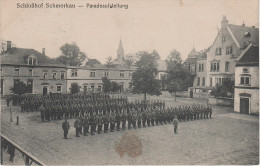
44, 75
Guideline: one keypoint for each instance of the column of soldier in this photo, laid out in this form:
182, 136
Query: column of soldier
107, 113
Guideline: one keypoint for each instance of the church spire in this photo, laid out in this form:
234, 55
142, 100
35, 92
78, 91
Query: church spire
120, 51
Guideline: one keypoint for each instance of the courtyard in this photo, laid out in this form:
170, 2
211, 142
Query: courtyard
227, 138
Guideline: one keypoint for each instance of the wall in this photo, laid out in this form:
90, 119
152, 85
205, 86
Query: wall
227, 102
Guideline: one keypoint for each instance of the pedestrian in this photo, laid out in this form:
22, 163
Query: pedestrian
65, 127
175, 124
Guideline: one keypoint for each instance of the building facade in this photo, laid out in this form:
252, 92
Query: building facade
246, 98
40, 73
228, 45
90, 78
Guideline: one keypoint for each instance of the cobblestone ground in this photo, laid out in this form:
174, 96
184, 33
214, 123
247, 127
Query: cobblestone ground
227, 138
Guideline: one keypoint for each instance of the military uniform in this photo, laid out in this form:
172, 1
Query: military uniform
100, 123
85, 125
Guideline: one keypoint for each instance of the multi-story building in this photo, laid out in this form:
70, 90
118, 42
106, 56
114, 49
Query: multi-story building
246, 98
228, 45
191, 62
90, 78
39, 72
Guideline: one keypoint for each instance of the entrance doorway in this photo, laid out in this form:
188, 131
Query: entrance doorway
244, 105
44, 90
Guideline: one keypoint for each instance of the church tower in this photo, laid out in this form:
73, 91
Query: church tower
120, 52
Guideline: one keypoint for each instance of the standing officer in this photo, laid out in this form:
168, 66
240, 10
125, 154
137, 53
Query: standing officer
123, 118
86, 125
81, 119
93, 122
106, 122
139, 119
112, 122
42, 110
129, 119
144, 117
100, 122
175, 124
118, 121
76, 125
65, 127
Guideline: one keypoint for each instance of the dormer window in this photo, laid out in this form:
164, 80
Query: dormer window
32, 60
223, 38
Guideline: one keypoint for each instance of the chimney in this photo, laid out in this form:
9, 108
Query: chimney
243, 24
43, 51
9, 45
224, 22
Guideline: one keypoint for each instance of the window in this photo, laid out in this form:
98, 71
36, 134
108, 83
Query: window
210, 81
85, 87
223, 38
99, 88
54, 75
30, 72
16, 81
130, 74
214, 66
219, 80
30, 86
218, 51
245, 70
229, 50
106, 73
122, 74
92, 88
245, 80
32, 61
92, 74
74, 73
227, 67
16, 71
203, 81
198, 82
201, 67
62, 76
45, 75
58, 88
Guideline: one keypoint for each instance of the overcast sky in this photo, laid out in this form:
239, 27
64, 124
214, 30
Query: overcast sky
145, 25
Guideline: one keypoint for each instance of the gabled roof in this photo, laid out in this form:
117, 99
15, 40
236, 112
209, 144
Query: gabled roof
240, 31
18, 56
250, 57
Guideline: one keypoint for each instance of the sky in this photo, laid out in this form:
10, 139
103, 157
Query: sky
145, 26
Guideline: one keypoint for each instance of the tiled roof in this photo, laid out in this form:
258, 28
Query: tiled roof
250, 57
240, 31
18, 56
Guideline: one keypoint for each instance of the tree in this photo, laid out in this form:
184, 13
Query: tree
178, 78
71, 55
174, 56
19, 88
226, 89
75, 88
109, 62
143, 79
130, 59
92, 62
114, 87
156, 54
106, 85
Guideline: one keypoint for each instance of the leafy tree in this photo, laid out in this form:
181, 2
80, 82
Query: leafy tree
109, 62
174, 56
75, 88
226, 89
92, 62
71, 55
106, 85
143, 79
130, 59
178, 78
114, 87
19, 88
156, 54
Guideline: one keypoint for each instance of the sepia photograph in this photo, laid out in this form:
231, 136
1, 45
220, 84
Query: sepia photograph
121, 82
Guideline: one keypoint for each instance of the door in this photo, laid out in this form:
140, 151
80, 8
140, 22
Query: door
45, 90
191, 93
244, 105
